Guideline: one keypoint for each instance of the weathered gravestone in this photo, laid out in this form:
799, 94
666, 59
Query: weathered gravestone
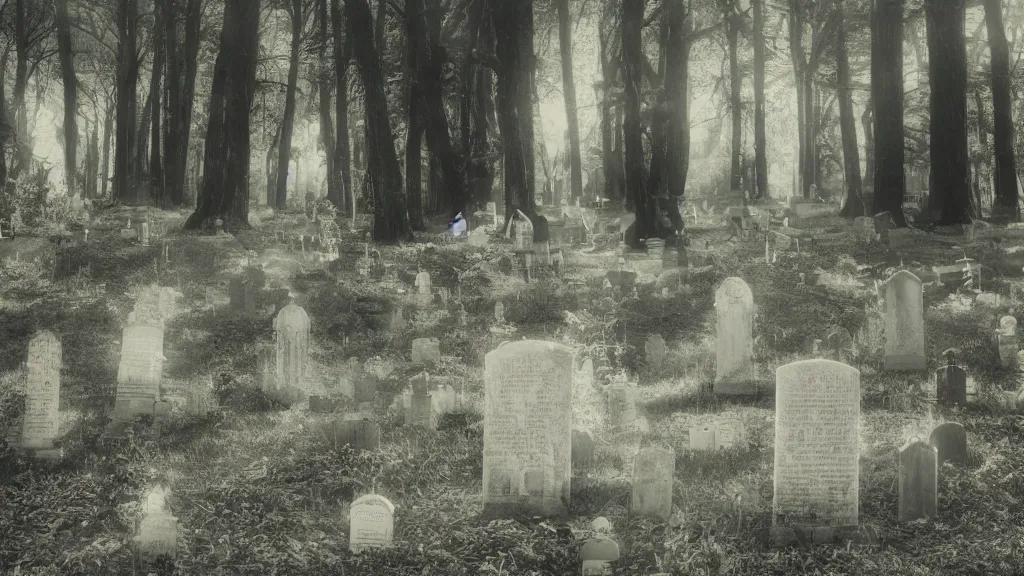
426, 351
655, 349
292, 328
904, 322
360, 434
950, 442
1006, 340
139, 371
653, 472
734, 350
499, 312
730, 433
918, 480
417, 403
597, 557
582, 449
157, 530
200, 398
423, 294
621, 406
702, 437
41, 421
371, 523
951, 383
527, 428
817, 419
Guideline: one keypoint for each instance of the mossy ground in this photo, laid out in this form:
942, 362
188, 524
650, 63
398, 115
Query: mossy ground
259, 490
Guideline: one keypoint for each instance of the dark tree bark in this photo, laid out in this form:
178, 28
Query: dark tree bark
507, 21
155, 173
437, 127
92, 159
5, 123
380, 27
477, 87
284, 151
732, 32
950, 188
141, 159
632, 66
108, 129
342, 149
867, 123
23, 156
1006, 207
569, 92
527, 71
855, 203
172, 192
127, 77
887, 94
416, 48
182, 112
324, 82
67, 69
225, 193
760, 135
611, 163
796, 51
390, 220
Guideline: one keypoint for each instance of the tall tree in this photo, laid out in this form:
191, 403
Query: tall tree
611, 161
855, 204
21, 43
950, 183
799, 60
638, 196
760, 135
127, 78
160, 14
476, 105
569, 93
437, 128
225, 192
284, 151
390, 220
416, 48
67, 69
528, 70
172, 86
1006, 206
342, 150
887, 97
733, 22
324, 82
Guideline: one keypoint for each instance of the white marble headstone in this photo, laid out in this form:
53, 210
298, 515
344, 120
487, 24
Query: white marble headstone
904, 322
371, 523
734, 351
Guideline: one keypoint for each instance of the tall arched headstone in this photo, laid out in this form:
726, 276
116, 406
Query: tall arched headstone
527, 428
904, 322
734, 350
817, 444
292, 328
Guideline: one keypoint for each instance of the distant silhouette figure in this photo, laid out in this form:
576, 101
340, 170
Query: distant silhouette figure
458, 225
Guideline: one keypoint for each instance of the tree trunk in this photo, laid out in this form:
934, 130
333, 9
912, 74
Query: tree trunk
225, 193
867, 123
436, 127
127, 76
284, 151
609, 66
507, 22
183, 112
270, 167
342, 149
810, 127
108, 129
796, 51
632, 65
141, 143
569, 92
476, 96
67, 68
172, 192
155, 173
416, 49
732, 32
380, 28
855, 204
325, 80
92, 159
527, 70
760, 134
23, 157
887, 94
950, 193
1005, 207
390, 220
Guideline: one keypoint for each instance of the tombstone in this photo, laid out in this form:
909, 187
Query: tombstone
730, 433
620, 401
653, 473
359, 433
817, 443
904, 322
423, 294
597, 556
291, 326
527, 428
397, 321
655, 349
426, 351
702, 438
417, 403
371, 523
158, 536
144, 233
1006, 341
951, 383
200, 399
918, 481
523, 230
41, 421
734, 367
236, 294
583, 447
950, 442
139, 371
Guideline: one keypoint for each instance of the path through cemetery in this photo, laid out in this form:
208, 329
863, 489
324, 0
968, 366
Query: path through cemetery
817, 398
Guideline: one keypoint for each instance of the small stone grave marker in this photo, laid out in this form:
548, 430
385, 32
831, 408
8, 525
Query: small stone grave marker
423, 294
200, 398
41, 420
950, 442
653, 472
158, 529
621, 403
426, 351
918, 480
904, 322
361, 434
734, 368
951, 383
1006, 340
499, 312
292, 328
582, 449
702, 438
655, 349
729, 433
139, 371
418, 409
597, 557
371, 523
